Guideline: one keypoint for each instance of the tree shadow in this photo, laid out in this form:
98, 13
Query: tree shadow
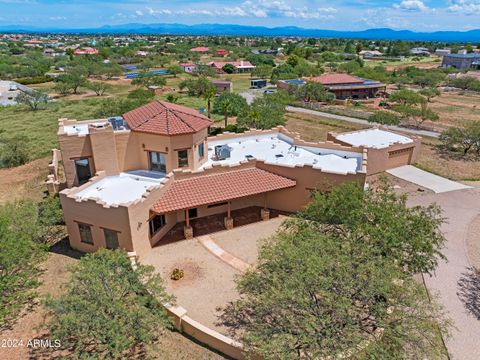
468, 291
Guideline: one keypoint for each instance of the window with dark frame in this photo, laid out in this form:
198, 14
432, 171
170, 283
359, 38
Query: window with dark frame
201, 151
111, 239
82, 168
157, 161
156, 223
85, 233
182, 158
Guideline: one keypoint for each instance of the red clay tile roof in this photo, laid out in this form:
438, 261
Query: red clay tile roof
332, 79
215, 188
164, 118
200, 49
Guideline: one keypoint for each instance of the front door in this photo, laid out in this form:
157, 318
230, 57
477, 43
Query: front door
82, 167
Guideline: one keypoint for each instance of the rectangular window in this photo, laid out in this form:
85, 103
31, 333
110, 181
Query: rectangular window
82, 167
201, 151
156, 224
182, 158
85, 233
157, 161
111, 238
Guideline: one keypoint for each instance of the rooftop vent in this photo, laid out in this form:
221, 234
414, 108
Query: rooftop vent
222, 152
279, 156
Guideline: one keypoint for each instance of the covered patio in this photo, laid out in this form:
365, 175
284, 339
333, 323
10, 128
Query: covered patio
187, 196
215, 223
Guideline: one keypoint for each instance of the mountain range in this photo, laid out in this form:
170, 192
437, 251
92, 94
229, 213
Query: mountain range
245, 30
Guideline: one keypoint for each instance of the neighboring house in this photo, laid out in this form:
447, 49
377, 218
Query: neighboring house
221, 52
240, 66
344, 86
386, 149
443, 52
154, 176
222, 86
85, 51
142, 53
368, 54
462, 61
53, 52
420, 51
9, 90
189, 67
200, 49
258, 83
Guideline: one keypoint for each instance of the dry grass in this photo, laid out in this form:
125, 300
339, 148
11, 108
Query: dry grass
455, 108
315, 128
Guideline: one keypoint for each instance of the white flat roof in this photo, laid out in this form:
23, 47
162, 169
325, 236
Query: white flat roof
278, 149
119, 189
374, 138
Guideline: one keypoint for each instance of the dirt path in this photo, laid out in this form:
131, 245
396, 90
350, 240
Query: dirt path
26, 181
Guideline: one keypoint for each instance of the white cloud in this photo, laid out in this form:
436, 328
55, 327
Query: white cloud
467, 7
232, 11
57, 18
411, 5
139, 13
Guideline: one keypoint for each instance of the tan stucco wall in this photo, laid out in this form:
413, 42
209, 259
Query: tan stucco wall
380, 160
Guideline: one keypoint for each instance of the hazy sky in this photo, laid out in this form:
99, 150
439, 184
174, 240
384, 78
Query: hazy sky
421, 15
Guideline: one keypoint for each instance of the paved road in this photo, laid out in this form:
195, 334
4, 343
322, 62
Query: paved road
457, 286
361, 121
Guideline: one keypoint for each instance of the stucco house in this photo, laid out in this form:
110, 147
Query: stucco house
154, 176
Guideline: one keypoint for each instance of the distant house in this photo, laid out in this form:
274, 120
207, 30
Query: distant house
142, 53
9, 90
85, 51
221, 52
200, 49
189, 67
240, 66
368, 54
420, 51
443, 52
344, 86
223, 86
462, 61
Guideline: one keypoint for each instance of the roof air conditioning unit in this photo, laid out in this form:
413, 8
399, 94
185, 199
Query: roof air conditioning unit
222, 152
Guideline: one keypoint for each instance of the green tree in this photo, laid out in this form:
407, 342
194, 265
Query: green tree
229, 104
465, 138
13, 151
384, 117
174, 70
326, 287
62, 88
263, 71
147, 79
228, 68
265, 112
20, 257
126, 313
33, 99
99, 87
430, 93
313, 91
209, 95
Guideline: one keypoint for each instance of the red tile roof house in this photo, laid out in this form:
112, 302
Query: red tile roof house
200, 49
85, 51
154, 175
240, 66
221, 52
346, 86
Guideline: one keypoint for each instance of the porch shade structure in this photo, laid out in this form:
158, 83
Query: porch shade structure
221, 187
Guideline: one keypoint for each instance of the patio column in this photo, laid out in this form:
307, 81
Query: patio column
187, 230
265, 213
228, 221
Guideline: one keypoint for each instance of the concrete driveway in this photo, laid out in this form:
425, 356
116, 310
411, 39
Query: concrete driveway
425, 179
454, 281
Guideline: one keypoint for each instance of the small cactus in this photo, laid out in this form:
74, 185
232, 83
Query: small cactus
177, 274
